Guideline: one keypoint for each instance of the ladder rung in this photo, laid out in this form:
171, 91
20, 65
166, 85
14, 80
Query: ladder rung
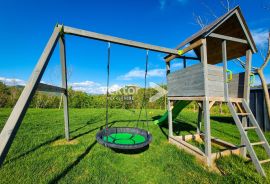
257, 143
250, 128
264, 161
243, 114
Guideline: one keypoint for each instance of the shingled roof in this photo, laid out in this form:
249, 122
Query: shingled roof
231, 24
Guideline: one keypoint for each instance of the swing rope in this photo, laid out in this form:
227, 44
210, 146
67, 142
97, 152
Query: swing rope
108, 83
143, 105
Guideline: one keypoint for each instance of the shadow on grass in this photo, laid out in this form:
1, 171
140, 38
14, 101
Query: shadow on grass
72, 165
178, 127
52, 140
33, 149
156, 117
223, 119
131, 152
91, 130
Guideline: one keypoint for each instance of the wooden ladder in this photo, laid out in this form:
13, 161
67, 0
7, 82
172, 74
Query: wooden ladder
245, 111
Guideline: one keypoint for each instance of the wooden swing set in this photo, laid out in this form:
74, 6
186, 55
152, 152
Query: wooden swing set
225, 39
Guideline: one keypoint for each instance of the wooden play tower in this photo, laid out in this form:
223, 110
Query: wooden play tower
225, 39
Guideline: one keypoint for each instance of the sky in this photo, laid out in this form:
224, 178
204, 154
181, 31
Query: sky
27, 25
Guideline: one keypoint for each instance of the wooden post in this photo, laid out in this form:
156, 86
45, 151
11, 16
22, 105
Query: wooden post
243, 150
199, 121
15, 119
64, 84
168, 70
206, 111
224, 58
170, 122
185, 62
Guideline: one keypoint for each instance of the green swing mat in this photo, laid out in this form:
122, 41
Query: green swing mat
124, 138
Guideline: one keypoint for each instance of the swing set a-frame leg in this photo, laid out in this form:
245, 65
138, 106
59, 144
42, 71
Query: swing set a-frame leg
14, 121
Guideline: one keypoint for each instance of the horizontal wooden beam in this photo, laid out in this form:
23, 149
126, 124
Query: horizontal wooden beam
121, 41
185, 50
187, 57
229, 38
50, 88
201, 98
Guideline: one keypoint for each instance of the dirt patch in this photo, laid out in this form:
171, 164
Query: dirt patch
64, 142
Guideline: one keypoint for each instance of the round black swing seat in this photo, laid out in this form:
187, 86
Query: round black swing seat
124, 138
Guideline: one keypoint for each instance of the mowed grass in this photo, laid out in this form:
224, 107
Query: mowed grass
40, 154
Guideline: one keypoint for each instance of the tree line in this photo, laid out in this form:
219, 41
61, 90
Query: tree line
78, 99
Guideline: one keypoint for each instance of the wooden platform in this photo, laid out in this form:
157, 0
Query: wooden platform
202, 98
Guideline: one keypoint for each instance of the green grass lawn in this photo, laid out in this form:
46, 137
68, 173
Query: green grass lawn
40, 154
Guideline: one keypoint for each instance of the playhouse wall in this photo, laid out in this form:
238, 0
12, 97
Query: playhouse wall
190, 81
236, 85
215, 81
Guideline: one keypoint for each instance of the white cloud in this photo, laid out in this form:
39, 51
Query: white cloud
12, 81
93, 87
260, 37
139, 73
85, 84
177, 65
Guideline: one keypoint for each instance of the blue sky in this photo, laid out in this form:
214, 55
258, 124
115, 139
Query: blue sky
27, 25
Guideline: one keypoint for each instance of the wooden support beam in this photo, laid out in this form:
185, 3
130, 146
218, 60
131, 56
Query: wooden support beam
170, 122
206, 109
14, 121
239, 108
228, 38
121, 41
243, 151
184, 62
211, 104
201, 98
64, 84
185, 50
50, 88
224, 58
177, 140
199, 120
189, 58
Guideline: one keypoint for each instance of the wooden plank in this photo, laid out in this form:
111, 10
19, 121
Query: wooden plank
186, 145
121, 41
50, 88
228, 38
185, 50
64, 84
188, 137
14, 121
225, 153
